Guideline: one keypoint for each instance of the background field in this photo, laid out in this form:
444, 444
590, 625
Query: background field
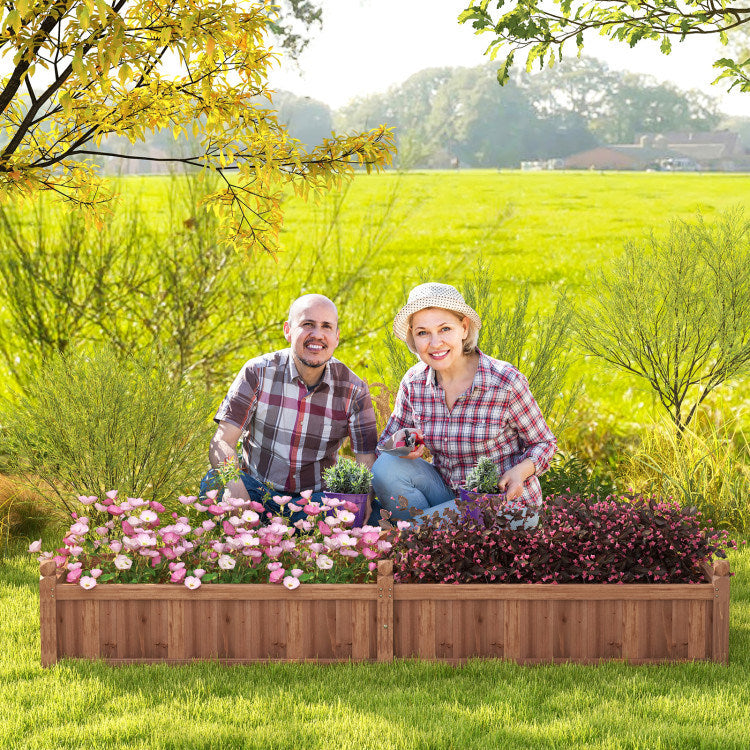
551, 229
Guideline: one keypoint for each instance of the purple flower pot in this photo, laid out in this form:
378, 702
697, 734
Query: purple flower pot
360, 500
472, 499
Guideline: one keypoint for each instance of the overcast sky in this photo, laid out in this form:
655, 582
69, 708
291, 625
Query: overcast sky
366, 46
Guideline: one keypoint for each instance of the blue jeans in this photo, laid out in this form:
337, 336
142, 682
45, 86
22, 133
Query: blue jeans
263, 495
416, 480
423, 487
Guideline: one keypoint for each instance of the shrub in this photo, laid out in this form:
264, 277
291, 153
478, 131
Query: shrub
483, 476
578, 540
94, 421
348, 477
572, 475
706, 466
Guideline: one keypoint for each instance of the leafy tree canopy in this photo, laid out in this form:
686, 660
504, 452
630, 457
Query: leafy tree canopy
542, 27
84, 69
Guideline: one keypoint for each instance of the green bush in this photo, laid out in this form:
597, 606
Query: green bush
483, 476
348, 477
89, 423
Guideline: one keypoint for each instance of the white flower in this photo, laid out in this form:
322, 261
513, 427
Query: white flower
148, 516
291, 582
193, 582
226, 562
324, 562
122, 562
87, 582
36, 546
250, 516
345, 516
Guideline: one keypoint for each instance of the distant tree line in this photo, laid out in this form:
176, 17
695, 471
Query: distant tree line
444, 114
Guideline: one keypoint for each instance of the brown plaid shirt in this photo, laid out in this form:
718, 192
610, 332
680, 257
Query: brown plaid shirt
291, 434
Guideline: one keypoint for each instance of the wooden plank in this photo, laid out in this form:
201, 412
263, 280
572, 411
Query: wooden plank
275, 624
295, 629
362, 623
405, 629
680, 633
512, 629
90, 630
426, 646
605, 629
344, 629
108, 630
720, 625
444, 614
322, 627
537, 631
631, 625
493, 627
697, 636
219, 592
550, 592
658, 629
384, 615
571, 631
177, 630
48, 613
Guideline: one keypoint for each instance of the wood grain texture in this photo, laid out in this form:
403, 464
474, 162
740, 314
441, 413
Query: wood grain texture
641, 624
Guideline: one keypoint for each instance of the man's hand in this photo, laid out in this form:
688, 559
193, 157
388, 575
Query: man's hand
407, 436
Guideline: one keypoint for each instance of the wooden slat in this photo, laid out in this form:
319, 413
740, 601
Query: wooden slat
405, 629
295, 629
512, 629
90, 630
362, 623
549, 592
218, 592
605, 629
426, 646
384, 613
344, 630
108, 630
177, 634
658, 629
697, 615
680, 634
322, 627
720, 639
631, 627
48, 613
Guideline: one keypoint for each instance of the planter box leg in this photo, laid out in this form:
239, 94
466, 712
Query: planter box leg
385, 630
48, 613
720, 580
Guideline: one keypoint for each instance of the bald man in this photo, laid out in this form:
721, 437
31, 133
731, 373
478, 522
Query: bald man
293, 408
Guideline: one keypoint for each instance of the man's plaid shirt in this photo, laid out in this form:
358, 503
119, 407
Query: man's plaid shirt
292, 434
498, 417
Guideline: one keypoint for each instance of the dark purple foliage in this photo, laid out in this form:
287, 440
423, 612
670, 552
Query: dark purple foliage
578, 540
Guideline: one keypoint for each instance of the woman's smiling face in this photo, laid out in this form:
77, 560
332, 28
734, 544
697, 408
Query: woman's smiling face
439, 337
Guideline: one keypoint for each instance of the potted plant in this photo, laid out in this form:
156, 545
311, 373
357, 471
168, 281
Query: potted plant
349, 480
481, 481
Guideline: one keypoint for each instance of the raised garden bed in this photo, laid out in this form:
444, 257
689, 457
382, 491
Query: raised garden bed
526, 623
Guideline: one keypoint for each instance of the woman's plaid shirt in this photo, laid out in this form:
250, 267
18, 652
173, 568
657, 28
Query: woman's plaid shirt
498, 417
291, 433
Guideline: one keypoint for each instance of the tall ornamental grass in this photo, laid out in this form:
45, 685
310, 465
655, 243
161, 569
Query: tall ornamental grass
89, 422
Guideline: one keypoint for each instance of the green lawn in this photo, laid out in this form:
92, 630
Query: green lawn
551, 229
484, 704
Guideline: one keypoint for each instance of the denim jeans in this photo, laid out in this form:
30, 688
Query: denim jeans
416, 480
263, 495
423, 487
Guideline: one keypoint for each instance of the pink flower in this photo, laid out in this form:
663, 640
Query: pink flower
156, 506
372, 566
324, 562
112, 495
87, 582
199, 572
296, 572
101, 508
216, 510
178, 575
276, 575
192, 582
293, 507
122, 562
312, 509
35, 546
115, 510
87, 499
291, 582
96, 572
306, 494
226, 562
274, 565
115, 545
229, 530
304, 525
325, 529
74, 575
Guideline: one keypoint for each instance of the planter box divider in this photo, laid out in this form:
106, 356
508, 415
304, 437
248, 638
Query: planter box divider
246, 623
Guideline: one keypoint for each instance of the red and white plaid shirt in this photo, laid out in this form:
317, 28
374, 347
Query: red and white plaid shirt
497, 417
291, 433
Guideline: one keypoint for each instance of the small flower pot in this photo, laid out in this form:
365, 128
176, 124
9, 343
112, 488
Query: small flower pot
360, 500
472, 498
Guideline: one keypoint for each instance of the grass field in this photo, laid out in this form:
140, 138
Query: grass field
409, 705
551, 229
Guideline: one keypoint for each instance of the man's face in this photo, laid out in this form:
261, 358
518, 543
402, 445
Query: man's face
313, 332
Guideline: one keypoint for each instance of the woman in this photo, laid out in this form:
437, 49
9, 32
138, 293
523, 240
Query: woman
463, 405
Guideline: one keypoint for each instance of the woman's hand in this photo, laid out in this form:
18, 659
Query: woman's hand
511, 483
410, 432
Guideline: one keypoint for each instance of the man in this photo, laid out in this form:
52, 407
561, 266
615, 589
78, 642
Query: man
293, 408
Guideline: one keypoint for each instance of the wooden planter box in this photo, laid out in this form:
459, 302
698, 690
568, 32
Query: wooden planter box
527, 623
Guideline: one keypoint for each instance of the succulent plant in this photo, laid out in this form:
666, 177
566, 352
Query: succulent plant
483, 477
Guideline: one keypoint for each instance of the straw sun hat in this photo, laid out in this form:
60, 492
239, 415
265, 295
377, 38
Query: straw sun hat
432, 294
